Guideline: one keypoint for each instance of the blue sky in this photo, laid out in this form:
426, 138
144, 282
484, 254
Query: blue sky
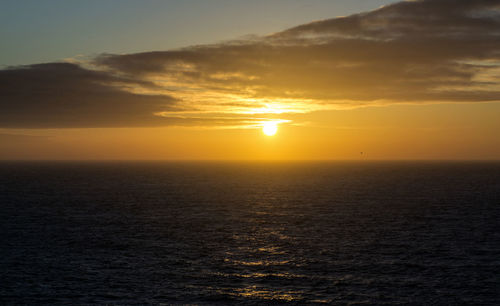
34, 31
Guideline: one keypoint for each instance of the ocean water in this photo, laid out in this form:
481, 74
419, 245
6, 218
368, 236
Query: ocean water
159, 233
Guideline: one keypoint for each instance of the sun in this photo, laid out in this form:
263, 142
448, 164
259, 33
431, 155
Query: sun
270, 128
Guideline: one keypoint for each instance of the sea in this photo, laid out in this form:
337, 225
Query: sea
250, 233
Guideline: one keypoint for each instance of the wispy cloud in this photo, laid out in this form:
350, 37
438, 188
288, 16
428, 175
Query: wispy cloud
20, 138
412, 51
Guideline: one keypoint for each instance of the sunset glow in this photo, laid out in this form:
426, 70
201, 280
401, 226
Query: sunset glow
377, 80
236, 152
270, 128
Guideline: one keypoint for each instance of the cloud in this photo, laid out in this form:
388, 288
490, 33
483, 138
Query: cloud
6, 138
412, 51
66, 95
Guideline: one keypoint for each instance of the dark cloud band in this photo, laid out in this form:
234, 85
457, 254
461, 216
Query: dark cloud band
412, 51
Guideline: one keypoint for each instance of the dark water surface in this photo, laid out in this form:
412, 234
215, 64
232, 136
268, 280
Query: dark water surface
250, 233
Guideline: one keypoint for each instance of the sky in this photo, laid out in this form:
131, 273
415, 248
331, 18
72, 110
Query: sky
51, 30
198, 80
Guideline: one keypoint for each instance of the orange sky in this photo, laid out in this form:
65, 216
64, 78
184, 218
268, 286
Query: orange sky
435, 131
